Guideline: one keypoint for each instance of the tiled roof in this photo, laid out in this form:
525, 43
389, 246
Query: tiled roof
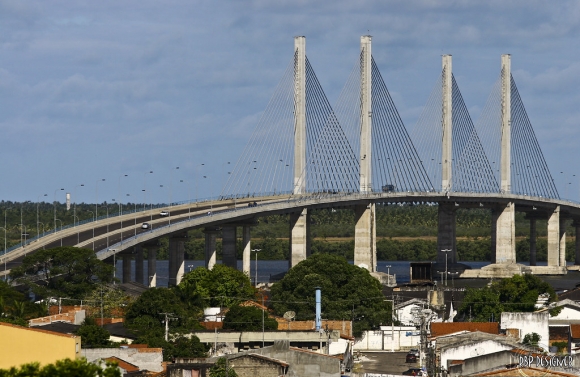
123, 364
559, 332
446, 328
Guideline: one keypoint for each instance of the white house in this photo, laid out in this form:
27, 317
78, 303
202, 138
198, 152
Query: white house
527, 323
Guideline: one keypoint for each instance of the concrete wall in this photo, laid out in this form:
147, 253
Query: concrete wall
398, 338
21, 345
484, 362
476, 348
247, 366
144, 358
567, 314
528, 323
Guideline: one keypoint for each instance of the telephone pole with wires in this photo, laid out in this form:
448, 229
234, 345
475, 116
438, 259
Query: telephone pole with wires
168, 317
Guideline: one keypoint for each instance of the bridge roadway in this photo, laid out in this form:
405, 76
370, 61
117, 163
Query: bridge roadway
116, 234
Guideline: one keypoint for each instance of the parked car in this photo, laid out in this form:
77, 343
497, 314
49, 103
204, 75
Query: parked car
164, 213
411, 358
145, 226
414, 351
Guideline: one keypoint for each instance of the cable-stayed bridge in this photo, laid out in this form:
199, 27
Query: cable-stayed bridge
305, 155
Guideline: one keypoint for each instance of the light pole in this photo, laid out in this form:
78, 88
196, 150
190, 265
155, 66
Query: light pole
93, 216
256, 267
54, 204
75, 203
388, 273
60, 229
97, 197
446, 251
171, 191
145, 185
37, 216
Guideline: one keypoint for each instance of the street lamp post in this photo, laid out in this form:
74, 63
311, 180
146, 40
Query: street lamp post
93, 216
97, 197
37, 215
388, 273
446, 251
75, 203
54, 204
256, 267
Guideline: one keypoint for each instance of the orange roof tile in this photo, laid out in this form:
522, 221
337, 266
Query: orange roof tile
446, 328
575, 331
123, 364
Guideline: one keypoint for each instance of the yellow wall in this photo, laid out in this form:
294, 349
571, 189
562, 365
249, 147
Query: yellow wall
21, 345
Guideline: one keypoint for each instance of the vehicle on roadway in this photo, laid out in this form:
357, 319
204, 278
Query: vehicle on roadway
415, 372
411, 358
145, 226
164, 213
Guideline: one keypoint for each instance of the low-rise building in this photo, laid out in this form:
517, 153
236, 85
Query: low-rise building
21, 345
138, 355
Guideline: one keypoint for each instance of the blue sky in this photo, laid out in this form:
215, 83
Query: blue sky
96, 90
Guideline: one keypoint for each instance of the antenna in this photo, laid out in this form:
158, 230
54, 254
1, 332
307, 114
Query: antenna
289, 315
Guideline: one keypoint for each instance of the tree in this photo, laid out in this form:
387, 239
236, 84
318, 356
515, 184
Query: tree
112, 298
92, 335
15, 308
62, 272
222, 369
516, 294
348, 292
220, 286
63, 368
532, 339
248, 318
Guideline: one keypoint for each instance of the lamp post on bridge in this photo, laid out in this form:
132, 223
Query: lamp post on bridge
54, 204
97, 197
75, 205
388, 266
37, 215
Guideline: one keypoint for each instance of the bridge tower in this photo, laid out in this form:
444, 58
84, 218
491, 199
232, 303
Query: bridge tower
505, 245
299, 221
446, 243
365, 250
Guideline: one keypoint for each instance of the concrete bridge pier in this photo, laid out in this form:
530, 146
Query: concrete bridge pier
505, 234
210, 249
152, 249
562, 239
300, 237
247, 253
176, 258
365, 235
554, 238
229, 238
126, 268
139, 264
446, 240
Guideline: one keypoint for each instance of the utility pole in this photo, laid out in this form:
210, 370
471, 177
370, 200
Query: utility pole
167, 319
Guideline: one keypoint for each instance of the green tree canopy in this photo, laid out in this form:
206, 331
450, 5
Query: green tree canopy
62, 272
348, 292
248, 318
222, 369
63, 368
92, 335
220, 286
15, 307
516, 294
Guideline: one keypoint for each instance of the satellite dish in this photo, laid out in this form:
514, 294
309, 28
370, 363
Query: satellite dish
289, 315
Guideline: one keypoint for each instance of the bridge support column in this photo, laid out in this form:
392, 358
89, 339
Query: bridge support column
152, 265
139, 264
229, 246
554, 238
176, 258
533, 250
247, 255
576, 225
210, 250
562, 242
506, 234
365, 246
126, 268
446, 243
300, 237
